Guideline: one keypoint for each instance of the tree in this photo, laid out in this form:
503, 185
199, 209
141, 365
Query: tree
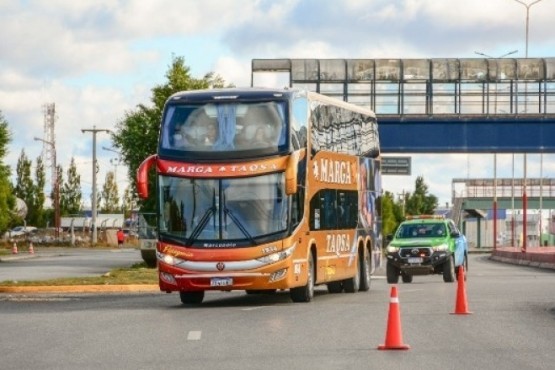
24, 188
420, 202
129, 201
7, 198
142, 124
109, 195
40, 179
71, 195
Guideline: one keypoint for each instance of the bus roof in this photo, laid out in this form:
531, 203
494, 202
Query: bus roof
261, 93
231, 93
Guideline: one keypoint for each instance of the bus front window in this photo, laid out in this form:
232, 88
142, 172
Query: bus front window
222, 209
226, 126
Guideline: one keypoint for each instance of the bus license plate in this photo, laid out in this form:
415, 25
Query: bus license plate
415, 259
221, 281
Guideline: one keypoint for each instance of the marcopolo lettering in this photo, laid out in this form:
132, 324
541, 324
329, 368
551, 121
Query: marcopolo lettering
337, 172
192, 169
337, 243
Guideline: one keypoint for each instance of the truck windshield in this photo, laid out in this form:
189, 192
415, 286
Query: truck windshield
421, 230
222, 210
230, 126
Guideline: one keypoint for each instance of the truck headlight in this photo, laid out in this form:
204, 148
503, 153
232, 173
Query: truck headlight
391, 249
441, 247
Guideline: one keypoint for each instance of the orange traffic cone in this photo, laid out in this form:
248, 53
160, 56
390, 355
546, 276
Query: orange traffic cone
461, 306
393, 335
14, 248
31, 249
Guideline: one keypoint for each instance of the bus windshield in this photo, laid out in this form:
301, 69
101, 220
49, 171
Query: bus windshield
226, 126
240, 209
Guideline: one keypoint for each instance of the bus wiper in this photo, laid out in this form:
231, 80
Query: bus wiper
202, 223
239, 225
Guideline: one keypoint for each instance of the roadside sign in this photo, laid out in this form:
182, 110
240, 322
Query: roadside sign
396, 165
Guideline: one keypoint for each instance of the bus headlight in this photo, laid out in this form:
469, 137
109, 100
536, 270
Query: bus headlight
168, 259
278, 256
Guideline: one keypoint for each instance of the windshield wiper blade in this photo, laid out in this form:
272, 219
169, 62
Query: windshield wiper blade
202, 223
239, 225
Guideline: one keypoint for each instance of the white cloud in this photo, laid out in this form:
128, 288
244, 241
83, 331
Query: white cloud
97, 58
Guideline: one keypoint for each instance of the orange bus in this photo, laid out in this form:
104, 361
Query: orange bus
264, 190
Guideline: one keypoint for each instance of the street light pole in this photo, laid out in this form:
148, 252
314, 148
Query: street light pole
55, 187
94, 131
524, 197
495, 154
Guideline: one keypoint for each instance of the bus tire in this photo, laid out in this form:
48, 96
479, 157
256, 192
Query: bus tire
352, 285
366, 267
305, 293
335, 287
192, 297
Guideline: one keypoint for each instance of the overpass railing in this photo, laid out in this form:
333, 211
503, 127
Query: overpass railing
473, 86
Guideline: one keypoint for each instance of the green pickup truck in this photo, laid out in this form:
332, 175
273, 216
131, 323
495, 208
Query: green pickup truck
424, 245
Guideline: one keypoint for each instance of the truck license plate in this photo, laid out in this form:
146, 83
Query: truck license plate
221, 281
415, 259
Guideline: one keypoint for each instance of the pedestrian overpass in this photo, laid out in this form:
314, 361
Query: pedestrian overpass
437, 105
449, 105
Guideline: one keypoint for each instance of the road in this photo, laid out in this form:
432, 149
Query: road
50, 263
512, 326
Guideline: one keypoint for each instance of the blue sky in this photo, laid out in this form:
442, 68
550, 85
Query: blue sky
95, 59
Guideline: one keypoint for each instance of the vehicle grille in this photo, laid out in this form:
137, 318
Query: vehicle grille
415, 251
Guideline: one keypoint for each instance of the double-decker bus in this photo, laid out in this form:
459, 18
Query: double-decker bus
264, 190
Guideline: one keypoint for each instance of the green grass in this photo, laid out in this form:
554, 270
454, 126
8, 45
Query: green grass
136, 274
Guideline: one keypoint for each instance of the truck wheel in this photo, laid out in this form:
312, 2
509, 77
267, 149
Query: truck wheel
191, 297
465, 264
449, 270
406, 278
305, 293
392, 274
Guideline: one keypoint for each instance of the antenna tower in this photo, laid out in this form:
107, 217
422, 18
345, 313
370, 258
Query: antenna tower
49, 141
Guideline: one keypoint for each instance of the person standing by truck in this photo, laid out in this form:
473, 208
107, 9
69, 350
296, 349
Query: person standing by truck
121, 238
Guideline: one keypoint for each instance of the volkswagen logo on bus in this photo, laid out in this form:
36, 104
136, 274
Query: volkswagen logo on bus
220, 266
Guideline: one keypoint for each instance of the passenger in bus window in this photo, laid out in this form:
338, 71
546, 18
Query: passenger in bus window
211, 133
182, 137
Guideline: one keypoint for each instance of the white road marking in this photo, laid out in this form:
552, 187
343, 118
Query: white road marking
194, 335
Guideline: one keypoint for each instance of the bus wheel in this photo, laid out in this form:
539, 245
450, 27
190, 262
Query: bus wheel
305, 293
352, 285
365, 269
191, 297
335, 287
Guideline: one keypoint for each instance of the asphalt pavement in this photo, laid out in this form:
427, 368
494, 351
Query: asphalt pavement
541, 257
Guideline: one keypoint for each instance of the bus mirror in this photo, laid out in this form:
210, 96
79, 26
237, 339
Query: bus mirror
291, 173
142, 176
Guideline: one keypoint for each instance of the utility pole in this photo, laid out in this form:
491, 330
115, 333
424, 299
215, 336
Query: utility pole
94, 131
